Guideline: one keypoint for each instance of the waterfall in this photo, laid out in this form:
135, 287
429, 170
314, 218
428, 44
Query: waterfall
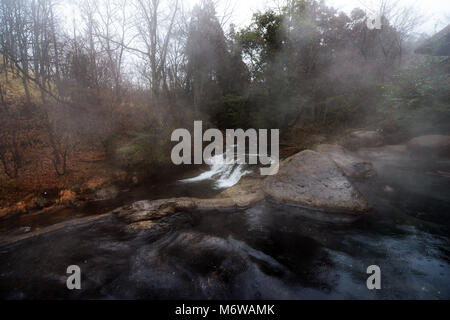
225, 173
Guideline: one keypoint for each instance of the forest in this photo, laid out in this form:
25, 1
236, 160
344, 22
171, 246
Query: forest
112, 90
92, 90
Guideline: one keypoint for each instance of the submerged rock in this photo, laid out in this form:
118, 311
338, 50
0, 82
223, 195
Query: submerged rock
352, 166
434, 144
310, 179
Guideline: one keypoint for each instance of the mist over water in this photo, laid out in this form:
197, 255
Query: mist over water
265, 252
86, 116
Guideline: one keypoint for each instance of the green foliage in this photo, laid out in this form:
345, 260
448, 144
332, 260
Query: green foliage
311, 65
214, 68
418, 98
262, 41
232, 111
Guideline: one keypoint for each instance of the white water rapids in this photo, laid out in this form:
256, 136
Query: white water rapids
225, 173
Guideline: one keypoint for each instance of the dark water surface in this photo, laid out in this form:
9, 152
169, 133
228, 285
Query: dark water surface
266, 252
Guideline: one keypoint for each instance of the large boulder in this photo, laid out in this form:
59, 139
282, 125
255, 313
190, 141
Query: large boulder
352, 166
310, 179
363, 139
432, 144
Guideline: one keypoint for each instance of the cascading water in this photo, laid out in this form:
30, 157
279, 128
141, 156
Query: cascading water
267, 251
226, 173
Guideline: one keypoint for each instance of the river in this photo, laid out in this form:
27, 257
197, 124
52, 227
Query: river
265, 252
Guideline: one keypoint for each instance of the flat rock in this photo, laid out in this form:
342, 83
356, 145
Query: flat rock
353, 166
313, 180
154, 210
148, 210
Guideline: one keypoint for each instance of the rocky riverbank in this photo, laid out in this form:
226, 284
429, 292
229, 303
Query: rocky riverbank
148, 250
320, 181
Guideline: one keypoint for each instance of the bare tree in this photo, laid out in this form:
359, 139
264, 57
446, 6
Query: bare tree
155, 29
112, 29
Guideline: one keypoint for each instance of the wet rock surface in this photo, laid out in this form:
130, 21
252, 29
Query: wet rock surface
153, 210
238, 247
263, 252
149, 212
313, 180
307, 179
